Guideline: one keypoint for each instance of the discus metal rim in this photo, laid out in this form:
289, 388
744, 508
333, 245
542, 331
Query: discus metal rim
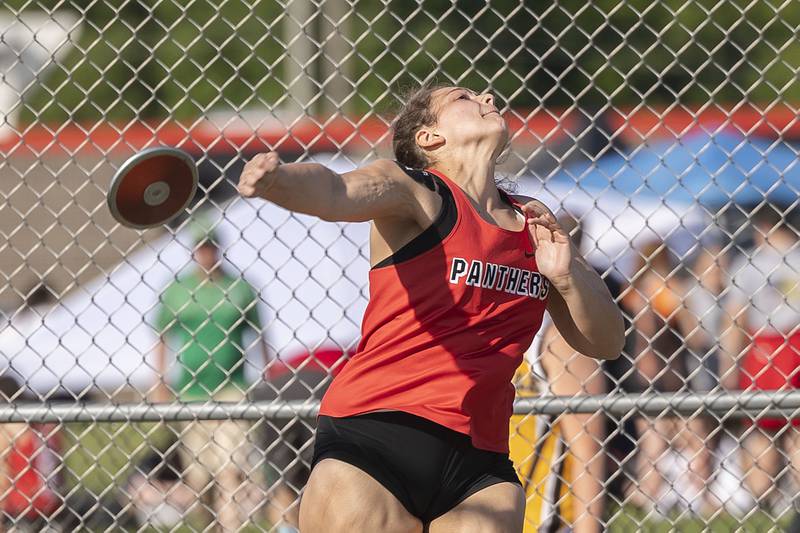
133, 161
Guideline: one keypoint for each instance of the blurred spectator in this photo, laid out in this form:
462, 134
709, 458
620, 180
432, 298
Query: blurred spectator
32, 492
678, 319
29, 469
763, 340
569, 374
654, 302
700, 323
289, 443
203, 317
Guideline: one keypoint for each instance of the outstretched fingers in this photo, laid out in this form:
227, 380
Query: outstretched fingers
535, 208
543, 224
258, 174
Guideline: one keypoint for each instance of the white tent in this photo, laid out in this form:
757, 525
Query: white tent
311, 275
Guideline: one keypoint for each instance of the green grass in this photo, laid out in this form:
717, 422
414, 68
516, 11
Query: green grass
99, 457
631, 519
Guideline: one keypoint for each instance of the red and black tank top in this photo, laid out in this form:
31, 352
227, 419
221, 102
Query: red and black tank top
445, 329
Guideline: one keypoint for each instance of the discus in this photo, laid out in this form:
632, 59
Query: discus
152, 187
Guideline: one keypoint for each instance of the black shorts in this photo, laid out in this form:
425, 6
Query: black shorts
428, 467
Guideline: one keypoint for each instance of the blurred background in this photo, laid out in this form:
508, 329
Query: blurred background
665, 135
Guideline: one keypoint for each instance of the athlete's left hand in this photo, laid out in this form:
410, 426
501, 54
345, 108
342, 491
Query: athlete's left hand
553, 250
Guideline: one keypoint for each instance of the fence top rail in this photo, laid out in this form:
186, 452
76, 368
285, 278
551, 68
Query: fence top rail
722, 403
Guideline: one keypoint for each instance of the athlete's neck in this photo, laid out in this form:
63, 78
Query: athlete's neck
476, 179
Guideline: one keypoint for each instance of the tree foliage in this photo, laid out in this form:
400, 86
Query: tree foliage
150, 59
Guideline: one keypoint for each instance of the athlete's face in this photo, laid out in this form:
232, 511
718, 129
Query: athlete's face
464, 117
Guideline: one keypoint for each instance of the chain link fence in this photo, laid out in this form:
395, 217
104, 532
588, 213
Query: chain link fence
664, 134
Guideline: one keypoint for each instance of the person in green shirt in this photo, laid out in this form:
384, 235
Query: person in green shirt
202, 319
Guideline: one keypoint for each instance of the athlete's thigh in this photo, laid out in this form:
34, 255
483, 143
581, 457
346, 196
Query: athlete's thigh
498, 508
340, 498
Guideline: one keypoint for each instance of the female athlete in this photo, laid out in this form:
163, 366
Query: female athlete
413, 433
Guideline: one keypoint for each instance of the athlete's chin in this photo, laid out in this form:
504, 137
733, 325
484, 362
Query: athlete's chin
500, 135
485, 134
494, 126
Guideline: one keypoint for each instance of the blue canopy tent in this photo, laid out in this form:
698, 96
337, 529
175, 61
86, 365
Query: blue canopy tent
668, 191
710, 169
615, 224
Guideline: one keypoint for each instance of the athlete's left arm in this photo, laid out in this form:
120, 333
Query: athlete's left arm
581, 305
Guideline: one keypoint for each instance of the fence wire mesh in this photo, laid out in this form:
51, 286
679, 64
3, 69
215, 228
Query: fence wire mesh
664, 134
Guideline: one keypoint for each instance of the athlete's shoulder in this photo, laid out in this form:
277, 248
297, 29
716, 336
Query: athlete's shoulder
396, 171
392, 176
383, 169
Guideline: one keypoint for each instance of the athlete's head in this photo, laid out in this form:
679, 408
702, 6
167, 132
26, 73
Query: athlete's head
439, 121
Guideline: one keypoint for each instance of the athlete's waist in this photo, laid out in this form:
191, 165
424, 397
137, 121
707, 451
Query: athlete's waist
408, 420
485, 433
479, 408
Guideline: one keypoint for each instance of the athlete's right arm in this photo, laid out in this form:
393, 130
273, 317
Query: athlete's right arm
378, 190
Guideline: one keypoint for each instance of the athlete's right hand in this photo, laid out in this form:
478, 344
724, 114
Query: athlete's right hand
259, 175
